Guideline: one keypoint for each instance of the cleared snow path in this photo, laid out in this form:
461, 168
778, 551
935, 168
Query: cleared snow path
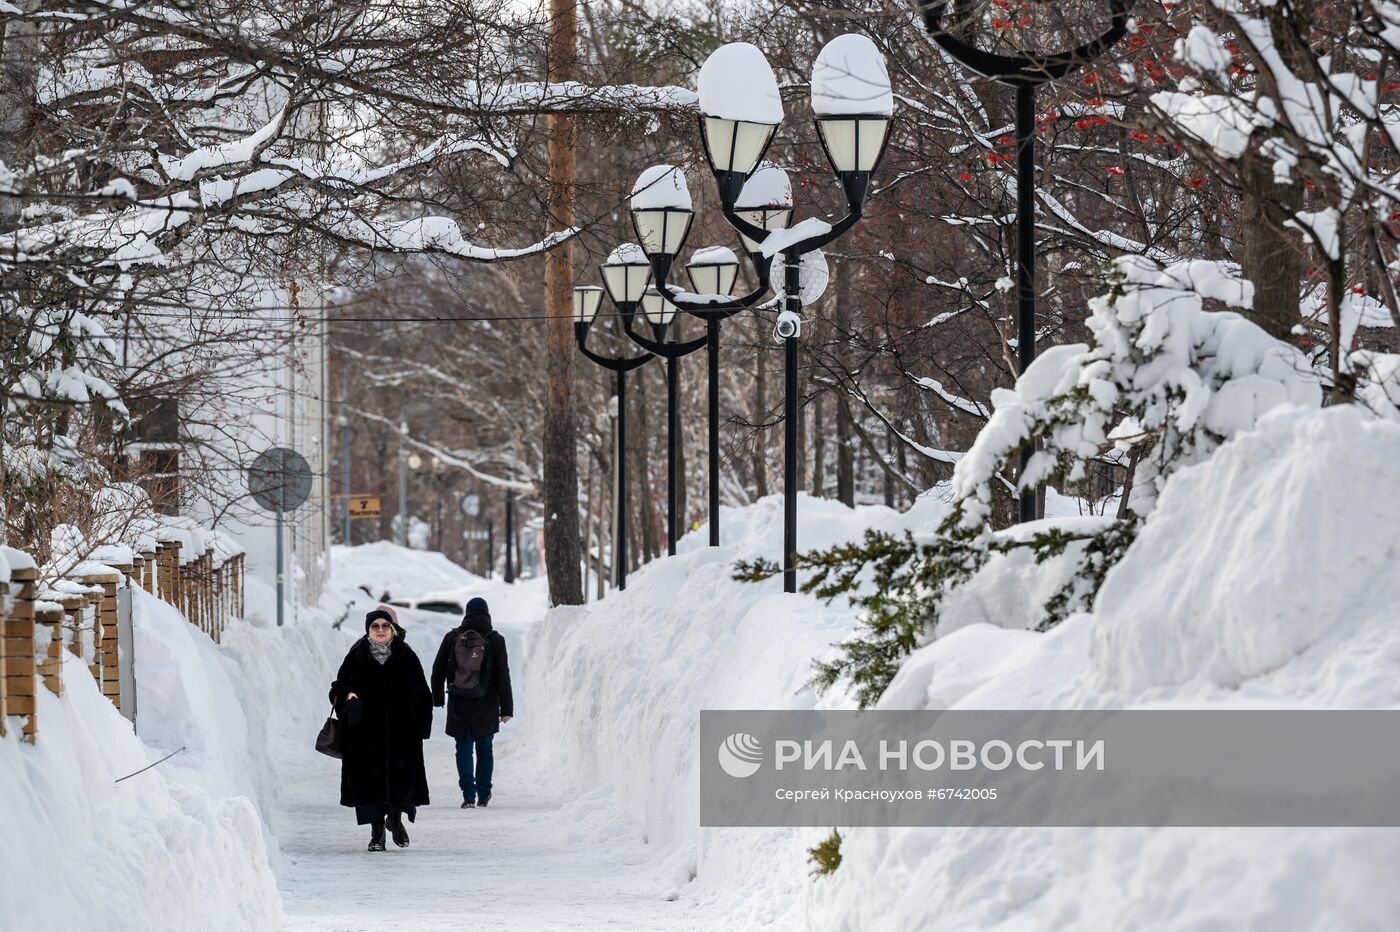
530, 861
519, 863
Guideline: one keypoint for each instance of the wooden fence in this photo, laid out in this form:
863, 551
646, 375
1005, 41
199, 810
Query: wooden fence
43, 612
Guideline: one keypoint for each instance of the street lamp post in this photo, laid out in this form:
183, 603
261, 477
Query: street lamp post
659, 314
346, 437
741, 110
625, 274
661, 213
402, 534
1025, 73
510, 534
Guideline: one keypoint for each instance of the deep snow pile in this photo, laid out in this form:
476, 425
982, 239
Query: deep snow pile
617, 686
167, 849
1263, 579
402, 572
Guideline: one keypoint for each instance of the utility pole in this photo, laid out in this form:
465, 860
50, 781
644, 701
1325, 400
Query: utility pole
560, 478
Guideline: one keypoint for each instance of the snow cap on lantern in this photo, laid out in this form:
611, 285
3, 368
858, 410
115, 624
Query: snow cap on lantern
661, 210
627, 254
736, 83
768, 186
850, 77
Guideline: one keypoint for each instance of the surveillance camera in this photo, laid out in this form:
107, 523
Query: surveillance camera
789, 325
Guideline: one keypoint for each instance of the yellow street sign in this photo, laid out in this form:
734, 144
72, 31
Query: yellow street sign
364, 507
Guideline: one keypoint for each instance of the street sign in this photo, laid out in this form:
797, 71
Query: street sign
364, 507
471, 505
476, 535
280, 479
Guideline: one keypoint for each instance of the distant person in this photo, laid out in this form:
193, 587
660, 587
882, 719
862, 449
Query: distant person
472, 665
386, 713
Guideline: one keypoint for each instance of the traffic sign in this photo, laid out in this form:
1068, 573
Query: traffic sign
470, 504
364, 507
280, 479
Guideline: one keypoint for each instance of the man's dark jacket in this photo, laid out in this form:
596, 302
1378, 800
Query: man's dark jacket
384, 728
475, 718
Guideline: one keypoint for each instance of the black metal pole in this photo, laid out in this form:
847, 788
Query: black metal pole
1025, 257
793, 303
345, 483
1024, 72
490, 547
712, 351
672, 438
620, 500
510, 533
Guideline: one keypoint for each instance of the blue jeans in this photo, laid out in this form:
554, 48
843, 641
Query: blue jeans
478, 785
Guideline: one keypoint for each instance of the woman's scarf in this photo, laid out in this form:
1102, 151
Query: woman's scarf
380, 652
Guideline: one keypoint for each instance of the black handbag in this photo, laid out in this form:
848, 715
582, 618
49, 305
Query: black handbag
328, 741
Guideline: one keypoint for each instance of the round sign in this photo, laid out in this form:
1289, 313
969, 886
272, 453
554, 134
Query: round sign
280, 479
471, 505
813, 275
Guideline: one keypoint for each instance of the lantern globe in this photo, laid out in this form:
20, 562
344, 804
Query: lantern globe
626, 273
659, 312
713, 271
587, 300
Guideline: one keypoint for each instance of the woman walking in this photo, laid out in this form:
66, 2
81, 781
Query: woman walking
386, 713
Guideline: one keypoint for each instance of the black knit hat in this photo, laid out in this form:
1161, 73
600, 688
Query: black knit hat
386, 613
478, 606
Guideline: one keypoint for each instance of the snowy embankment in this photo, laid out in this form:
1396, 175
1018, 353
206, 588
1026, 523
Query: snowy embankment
192, 842
617, 686
166, 849
1265, 579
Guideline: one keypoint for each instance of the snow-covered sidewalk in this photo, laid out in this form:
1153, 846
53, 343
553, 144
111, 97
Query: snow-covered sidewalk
539, 858
523, 863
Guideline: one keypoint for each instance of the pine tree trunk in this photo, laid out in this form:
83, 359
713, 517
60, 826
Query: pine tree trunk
560, 480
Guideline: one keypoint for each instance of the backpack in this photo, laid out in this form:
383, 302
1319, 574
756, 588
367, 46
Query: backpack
469, 654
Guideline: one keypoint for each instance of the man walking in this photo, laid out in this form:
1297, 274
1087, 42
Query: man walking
472, 665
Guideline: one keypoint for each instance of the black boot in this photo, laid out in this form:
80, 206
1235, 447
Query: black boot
397, 830
468, 804
483, 800
376, 835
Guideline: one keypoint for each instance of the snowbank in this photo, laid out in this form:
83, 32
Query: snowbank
386, 567
618, 685
1302, 541
1264, 578
153, 852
